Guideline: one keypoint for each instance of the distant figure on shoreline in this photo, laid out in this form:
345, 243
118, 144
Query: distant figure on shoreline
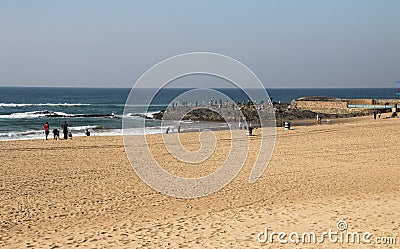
70, 135
56, 134
87, 132
167, 131
379, 114
46, 129
65, 130
374, 114
319, 119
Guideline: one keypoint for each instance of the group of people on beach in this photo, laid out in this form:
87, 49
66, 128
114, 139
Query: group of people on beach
56, 133
379, 114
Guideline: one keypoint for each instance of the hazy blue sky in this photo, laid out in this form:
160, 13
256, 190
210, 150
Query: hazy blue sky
341, 43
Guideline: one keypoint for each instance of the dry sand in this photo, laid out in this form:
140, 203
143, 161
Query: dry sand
84, 193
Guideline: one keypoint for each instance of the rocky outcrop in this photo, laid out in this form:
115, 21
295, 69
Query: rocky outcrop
283, 112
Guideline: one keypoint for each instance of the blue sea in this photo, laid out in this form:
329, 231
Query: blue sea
23, 111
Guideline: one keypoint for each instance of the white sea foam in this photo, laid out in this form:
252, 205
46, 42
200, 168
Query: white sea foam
78, 131
35, 114
45, 113
84, 127
140, 115
41, 104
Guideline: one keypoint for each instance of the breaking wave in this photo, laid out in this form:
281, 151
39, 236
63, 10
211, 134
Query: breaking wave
40, 104
49, 114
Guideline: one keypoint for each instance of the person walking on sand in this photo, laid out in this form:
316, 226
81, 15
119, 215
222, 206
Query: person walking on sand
379, 114
46, 129
65, 130
374, 114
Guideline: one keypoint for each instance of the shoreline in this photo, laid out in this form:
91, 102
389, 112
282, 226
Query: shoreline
294, 123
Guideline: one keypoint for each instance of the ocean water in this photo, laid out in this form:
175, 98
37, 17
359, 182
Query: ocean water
23, 111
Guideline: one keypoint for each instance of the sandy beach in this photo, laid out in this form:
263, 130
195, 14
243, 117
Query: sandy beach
84, 192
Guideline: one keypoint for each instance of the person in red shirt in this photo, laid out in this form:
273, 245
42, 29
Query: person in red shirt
46, 129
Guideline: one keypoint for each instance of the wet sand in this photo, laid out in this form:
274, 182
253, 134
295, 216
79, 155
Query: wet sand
84, 192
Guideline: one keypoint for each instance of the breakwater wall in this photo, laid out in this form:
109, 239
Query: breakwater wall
344, 106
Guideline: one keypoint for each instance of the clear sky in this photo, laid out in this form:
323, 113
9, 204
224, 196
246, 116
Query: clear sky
340, 43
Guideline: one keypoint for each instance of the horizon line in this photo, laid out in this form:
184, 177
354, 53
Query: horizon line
105, 87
